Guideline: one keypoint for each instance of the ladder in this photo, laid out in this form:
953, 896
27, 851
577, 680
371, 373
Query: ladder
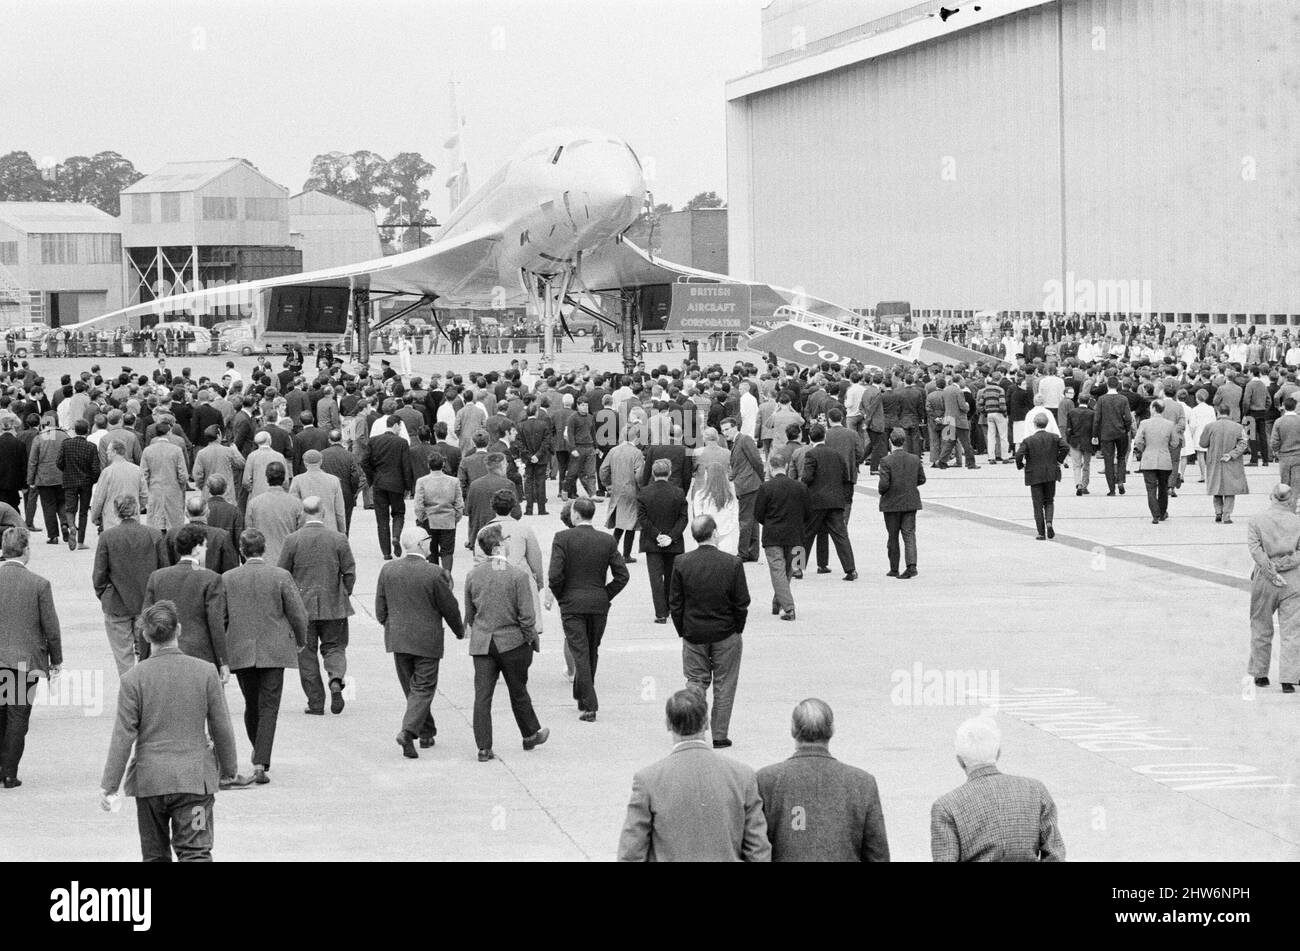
11, 293
839, 328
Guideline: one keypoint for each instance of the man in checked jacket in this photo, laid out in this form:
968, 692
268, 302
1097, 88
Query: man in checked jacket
993, 817
78, 460
991, 401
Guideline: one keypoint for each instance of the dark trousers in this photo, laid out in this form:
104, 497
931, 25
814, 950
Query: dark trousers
659, 566
628, 537
1114, 458
831, 522
1259, 442
582, 467
535, 484
904, 524
442, 546
513, 666
961, 437
748, 543
16, 689
582, 632
878, 445
180, 822
419, 679
562, 469
389, 504
913, 441
719, 664
348, 505
30, 495
262, 688
77, 507
330, 639
1043, 495
12, 498
1157, 481
53, 508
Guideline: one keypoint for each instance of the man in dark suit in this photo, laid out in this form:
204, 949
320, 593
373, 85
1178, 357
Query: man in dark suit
993, 817
1078, 436
198, 595
694, 805
341, 464
387, 465
534, 448
1040, 456
220, 547
167, 707
412, 600
709, 603
828, 491
901, 473
309, 437
817, 808
473, 462
581, 558
125, 557
782, 509
1112, 425
746, 476
13, 463
321, 562
30, 645
267, 628
661, 519
221, 514
478, 498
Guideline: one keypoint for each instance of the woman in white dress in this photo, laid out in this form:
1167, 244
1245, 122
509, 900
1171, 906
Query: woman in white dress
712, 494
1198, 417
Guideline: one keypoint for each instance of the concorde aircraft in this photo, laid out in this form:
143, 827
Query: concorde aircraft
545, 229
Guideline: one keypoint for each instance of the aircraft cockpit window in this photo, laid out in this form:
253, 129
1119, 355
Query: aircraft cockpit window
556, 157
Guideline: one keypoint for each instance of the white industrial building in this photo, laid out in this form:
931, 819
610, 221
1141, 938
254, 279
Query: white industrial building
1028, 155
60, 262
331, 232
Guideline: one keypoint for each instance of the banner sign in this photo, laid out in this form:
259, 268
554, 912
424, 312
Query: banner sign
804, 346
708, 309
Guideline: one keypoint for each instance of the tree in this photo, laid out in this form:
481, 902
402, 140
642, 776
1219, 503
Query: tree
663, 208
360, 177
406, 171
97, 180
705, 200
21, 180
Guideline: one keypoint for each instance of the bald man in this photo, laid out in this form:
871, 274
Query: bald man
314, 481
254, 478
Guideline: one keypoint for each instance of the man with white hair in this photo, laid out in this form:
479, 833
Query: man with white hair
993, 817
254, 477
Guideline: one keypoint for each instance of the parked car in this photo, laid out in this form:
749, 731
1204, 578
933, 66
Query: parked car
241, 339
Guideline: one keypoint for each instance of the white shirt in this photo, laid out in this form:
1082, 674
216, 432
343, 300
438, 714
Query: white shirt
381, 426
1051, 388
235, 376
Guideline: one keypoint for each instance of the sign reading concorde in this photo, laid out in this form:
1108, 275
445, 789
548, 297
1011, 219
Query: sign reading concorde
804, 346
708, 309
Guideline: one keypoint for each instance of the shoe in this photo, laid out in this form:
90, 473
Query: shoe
259, 775
1078, 490
1227, 521
537, 739
485, 755
12, 782
721, 744
1086, 492
775, 610
940, 465
1173, 493
1155, 521
797, 576
1051, 532
1040, 538
587, 716
891, 573
397, 551
82, 546
427, 742
850, 576
51, 541
542, 511
1111, 492
1288, 688
314, 713
824, 570
407, 744
630, 560
787, 615
1218, 518
1121, 488
972, 467
1163, 516
528, 511
1261, 681
336, 696
661, 620
909, 573
239, 781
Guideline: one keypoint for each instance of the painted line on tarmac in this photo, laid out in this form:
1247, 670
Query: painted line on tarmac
1083, 543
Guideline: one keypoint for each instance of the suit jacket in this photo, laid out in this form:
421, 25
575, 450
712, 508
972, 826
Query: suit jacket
500, 607
320, 560
580, 559
200, 600
412, 599
13, 463
826, 477
473, 466
341, 464
125, 557
535, 439
221, 514
901, 473
1040, 456
327, 488
782, 508
839, 806
478, 501
746, 465
995, 818
167, 706
267, 621
1079, 429
1157, 443
277, 515
221, 553
954, 405
683, 464
120, 478
695, 806
30, 636
708, 597
849, 447
661, 510
1113, 417
387, 463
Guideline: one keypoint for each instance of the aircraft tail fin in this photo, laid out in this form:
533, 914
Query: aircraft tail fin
458, 186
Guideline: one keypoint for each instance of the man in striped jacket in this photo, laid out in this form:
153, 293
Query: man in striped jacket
992, 402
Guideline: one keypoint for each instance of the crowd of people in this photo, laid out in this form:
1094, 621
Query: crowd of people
223, 509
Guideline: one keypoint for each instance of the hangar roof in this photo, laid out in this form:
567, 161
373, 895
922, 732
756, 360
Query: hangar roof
45, 217
186, 176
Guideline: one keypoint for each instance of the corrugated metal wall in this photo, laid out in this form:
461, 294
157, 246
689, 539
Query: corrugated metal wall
933, 174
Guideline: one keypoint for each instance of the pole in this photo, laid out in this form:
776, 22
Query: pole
361, 323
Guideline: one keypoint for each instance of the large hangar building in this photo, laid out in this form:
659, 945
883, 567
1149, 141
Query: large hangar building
1111, 156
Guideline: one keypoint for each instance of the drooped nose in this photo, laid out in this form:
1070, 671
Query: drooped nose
615, 188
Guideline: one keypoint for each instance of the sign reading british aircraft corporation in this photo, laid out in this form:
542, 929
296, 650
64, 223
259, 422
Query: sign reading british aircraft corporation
804, 346
708, 309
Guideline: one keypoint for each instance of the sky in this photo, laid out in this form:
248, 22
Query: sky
279, 81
